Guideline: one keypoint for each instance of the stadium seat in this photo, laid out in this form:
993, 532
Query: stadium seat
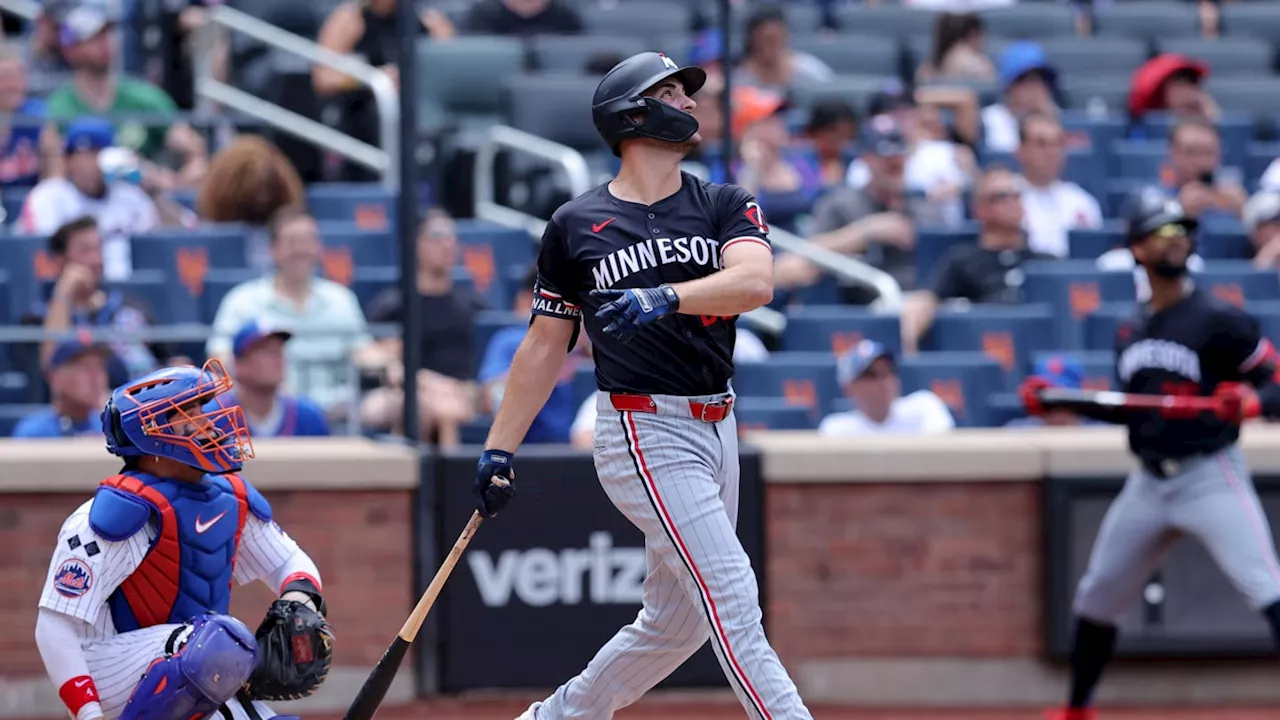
1090, 243
1081, 91
836, 329
963, 380
932, 245
1074, 289
898, 21
363, 248
648, 19
472, 90
1006, 334
1002, 408
1099, 131
1100, 326
490, 253
1138, 159
1222, 238
367, 205
1227, 56
11, 200
1085, 167
1257, 96
487, 324
556, 107
1258, 20
1238, 282
1032, 20
584, 384
369, 282
22, 264
1147, 20
1258, 157
1268, 314
217, 284
802, 379
802, 18
168, 302
11, 414
17, 387
853, 54
571, 53
768, 413
826, 291
1099, 366
856, 90
1085, 55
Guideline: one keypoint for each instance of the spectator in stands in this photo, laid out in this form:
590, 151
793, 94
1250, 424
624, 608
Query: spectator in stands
770, 167
1060, 371
1194, 171
1053, 206
119, 204
878, 220
959, 50
1028, 83
250, 180
328, 326
981, 272
76, 299
769, 62
445, 391
1262, 223
831, 131
88, 40
869, 377
77, 377
523, 18
1172, 83
258, 348
30, 148
1122, 260
367, 30
551, 425
44, 60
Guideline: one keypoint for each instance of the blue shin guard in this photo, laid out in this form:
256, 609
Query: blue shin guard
197, 678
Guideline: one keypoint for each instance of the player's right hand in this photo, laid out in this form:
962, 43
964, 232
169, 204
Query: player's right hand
1029, 392
492, 497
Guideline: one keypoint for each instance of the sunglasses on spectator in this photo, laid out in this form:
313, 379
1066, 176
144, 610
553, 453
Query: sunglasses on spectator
1000, 196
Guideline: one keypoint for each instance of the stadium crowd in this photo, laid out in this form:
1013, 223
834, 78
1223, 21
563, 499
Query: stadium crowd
981, 157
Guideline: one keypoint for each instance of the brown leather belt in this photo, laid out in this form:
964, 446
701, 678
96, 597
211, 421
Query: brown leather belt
711, 412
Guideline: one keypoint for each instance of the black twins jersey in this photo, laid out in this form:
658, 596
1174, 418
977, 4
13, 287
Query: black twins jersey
1186, 349
597, 241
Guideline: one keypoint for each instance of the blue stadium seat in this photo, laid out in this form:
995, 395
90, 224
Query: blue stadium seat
490, 251
364, 247
768, 413
1258, 157
1100, 132
168, 302
1003, 408
963, 380
802, 379
216, 286
584, 384
932, 245
222, 246
1085, 167
835, 328
826, 291
11, 200
11, 414
1118, 193
18, 260
369, 206
1100, 326
1074, 288
1006, 334
1222, 238
487, 324
1138, 159
1238, 281
1268, 314
1090, 243
368, 282
1099, 366
17, 387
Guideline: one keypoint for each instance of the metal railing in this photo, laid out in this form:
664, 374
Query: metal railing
384, 160
843, 267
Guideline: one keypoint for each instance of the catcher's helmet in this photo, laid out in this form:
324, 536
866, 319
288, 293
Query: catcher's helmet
175, 413
621, 111
1149, 209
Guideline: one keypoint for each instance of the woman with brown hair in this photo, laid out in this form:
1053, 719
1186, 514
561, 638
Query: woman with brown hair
958, 51
248, 181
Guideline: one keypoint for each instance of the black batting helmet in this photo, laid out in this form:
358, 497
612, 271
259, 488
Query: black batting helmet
1150, 209
621, 111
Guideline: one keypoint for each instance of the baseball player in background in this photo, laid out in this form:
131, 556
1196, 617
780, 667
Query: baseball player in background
657, 265
1191, 477
133, 616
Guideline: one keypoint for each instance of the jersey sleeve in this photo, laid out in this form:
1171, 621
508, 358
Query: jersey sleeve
554, 293
264, 548
1245, 352
741, 219
86, 568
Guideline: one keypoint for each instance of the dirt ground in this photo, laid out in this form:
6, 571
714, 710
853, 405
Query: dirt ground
678, 707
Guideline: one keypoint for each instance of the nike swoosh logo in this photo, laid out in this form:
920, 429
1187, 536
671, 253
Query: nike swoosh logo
201, 527
598, 227
82, 683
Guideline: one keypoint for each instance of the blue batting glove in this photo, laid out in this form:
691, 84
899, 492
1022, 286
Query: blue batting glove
493, 496
626, 311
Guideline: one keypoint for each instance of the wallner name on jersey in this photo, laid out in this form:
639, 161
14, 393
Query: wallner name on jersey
597, 242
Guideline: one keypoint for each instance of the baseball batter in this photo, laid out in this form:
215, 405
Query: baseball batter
1191, 477
657, 265
133, 616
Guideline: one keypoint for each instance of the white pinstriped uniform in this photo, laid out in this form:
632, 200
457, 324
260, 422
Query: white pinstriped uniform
676, 478
118, 660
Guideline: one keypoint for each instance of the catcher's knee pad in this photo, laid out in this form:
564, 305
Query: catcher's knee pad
216, 658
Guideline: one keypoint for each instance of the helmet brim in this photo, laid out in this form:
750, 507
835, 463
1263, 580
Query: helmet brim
692, 77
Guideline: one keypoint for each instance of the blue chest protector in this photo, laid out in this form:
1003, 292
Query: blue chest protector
187, 570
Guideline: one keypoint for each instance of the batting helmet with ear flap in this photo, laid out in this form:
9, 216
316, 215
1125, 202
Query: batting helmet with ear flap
1151, 208
621, 111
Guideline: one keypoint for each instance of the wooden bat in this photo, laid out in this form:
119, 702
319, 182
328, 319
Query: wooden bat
375, 687
1067, 398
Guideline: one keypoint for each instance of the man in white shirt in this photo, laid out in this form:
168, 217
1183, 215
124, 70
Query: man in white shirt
869, 377
1052, 207
120, 207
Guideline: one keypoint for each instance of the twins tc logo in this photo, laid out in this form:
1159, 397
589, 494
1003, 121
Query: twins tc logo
668, 62
756, 216
73, 578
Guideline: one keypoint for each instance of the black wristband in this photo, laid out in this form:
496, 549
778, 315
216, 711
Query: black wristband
305, 586
673, 300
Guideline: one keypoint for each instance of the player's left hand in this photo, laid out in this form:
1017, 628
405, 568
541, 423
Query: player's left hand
625, 311
1236, 402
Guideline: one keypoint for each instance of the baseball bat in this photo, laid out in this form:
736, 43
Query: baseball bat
375, 687
1065, 397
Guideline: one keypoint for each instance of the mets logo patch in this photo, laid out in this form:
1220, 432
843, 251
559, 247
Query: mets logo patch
73, 578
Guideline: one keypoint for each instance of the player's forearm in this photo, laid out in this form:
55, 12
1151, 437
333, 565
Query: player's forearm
731, 291
533, 375
57, 319
918, 310
60, 639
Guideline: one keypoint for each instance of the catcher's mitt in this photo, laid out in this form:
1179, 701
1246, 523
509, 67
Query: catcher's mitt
295, 650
